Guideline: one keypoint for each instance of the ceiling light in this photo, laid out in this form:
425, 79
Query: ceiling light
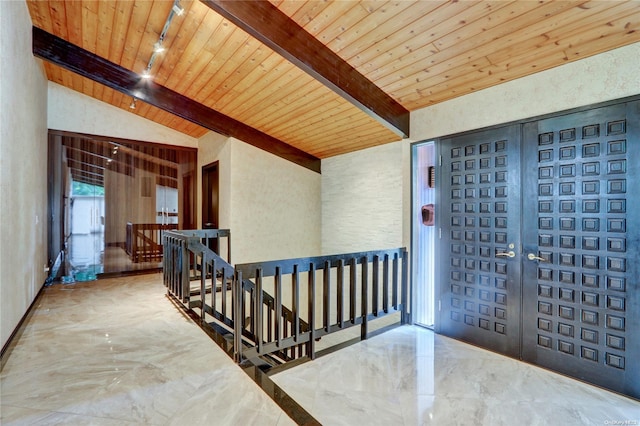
133, 104
177, 9
146, 73
158, 47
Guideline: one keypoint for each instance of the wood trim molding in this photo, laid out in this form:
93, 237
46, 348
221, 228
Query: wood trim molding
80, 61
268, 24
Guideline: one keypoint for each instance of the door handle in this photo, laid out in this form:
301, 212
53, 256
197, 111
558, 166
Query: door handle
532, 256
510, 253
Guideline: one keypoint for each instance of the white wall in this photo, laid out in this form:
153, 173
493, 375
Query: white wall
23, 167
75, 112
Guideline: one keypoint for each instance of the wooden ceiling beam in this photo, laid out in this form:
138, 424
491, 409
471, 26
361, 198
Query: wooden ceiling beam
82, 62
267, 23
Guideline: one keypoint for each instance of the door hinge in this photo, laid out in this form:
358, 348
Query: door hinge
440, 232
440, 161
439, 305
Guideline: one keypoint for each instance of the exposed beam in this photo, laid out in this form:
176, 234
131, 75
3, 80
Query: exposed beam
80, 61
267, 23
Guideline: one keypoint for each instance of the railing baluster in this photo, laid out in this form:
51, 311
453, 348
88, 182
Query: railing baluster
278, 313
405, 289
385, 284
311, 292
214, 280
352, 291
376, 284
340, 294
258, 310
203, 288
185, 290
238, 292
365, 296
296, 303
326, 296
395, 281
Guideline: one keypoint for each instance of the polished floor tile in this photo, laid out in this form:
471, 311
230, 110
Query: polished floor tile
411, 376
117, 351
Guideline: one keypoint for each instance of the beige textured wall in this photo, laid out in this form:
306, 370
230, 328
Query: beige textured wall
362, 200
275, 210
23, 167
214, 147
72, 111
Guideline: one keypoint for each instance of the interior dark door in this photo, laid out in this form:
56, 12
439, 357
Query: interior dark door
479, 256
210, 196
581, 295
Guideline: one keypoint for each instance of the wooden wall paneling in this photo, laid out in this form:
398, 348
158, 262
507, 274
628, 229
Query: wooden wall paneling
358, 12
479, 45
291, 105
333, 12
472, 47
377, 16
121, 20
73, 11
251, 53
212, 76
330, 112
59, 17
397, 49
549, 32
310, 113
180, 33
421, 18
280, 33
150, 32
261, 81
196, 58
105, 27
403, 48
592, 40
90, 25
137, 23
40, 16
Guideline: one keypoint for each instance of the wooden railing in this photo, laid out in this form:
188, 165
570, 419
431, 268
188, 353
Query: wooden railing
144, 241
375, 286
279, 309
180, 266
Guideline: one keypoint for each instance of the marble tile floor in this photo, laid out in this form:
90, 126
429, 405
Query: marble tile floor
411, 376
117, 351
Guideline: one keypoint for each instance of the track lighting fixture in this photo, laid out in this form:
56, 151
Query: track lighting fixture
158, 46
133, 104
177, 9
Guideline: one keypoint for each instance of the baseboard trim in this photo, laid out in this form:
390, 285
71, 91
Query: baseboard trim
17, 332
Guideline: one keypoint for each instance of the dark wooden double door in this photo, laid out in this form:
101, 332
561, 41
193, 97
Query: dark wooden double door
540, 243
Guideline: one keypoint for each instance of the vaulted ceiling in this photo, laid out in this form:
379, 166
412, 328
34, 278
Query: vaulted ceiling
323, 77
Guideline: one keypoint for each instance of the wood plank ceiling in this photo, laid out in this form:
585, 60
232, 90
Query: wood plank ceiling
418, 52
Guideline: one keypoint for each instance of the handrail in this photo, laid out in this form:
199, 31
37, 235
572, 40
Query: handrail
271, 307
